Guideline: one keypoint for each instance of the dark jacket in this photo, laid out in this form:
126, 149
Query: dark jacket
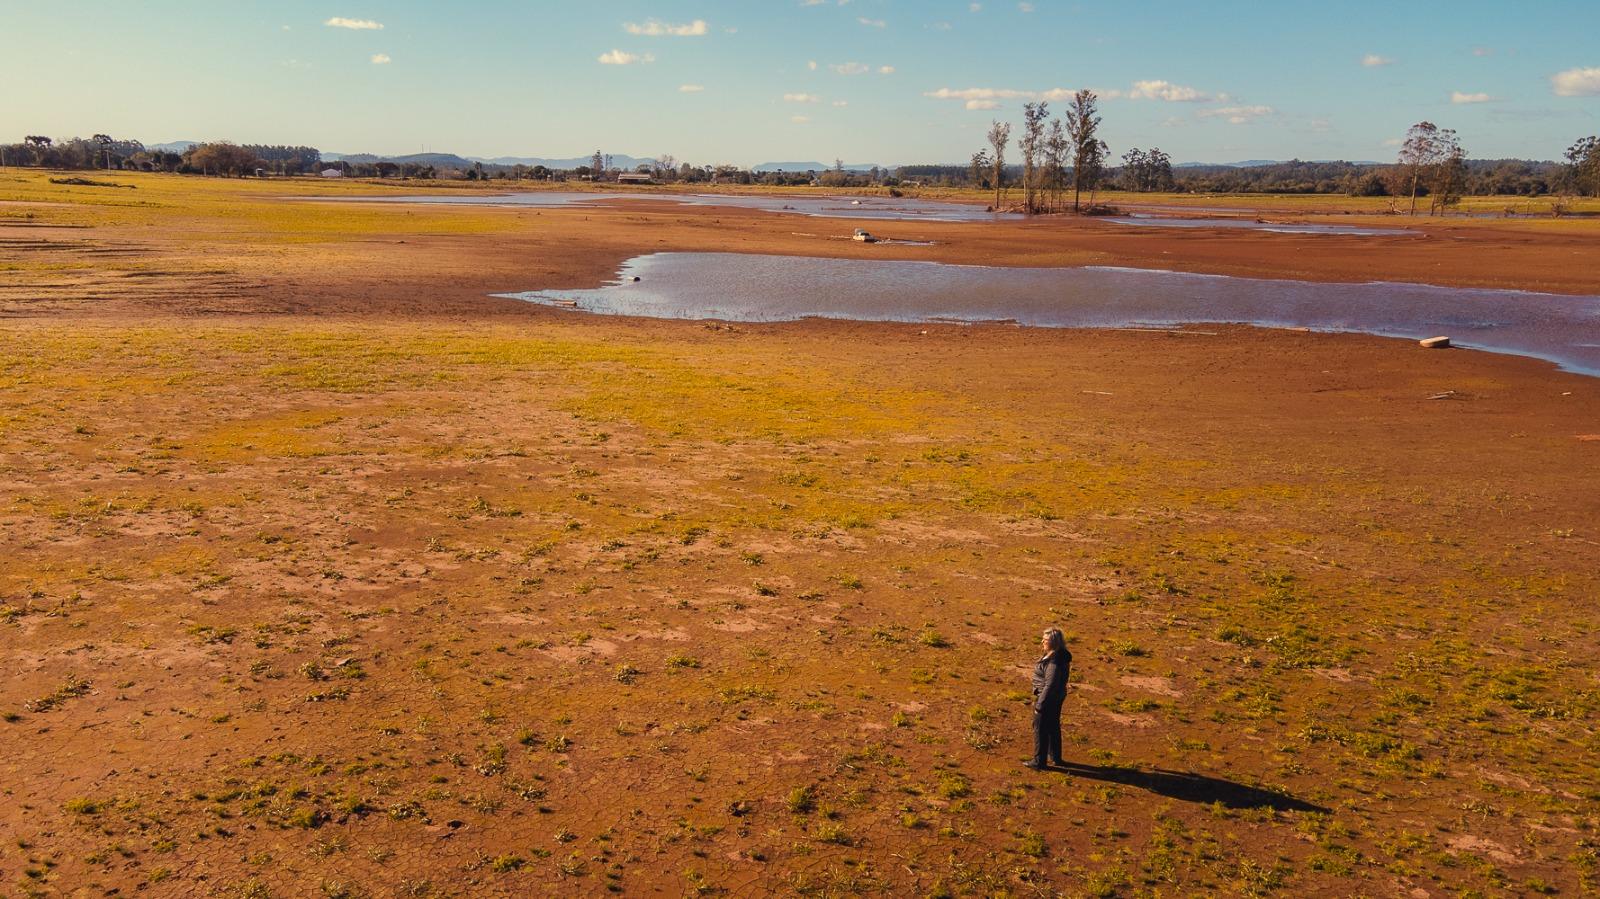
1050, 679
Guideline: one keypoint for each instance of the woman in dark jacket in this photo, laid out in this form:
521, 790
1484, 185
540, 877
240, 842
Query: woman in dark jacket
1049, 690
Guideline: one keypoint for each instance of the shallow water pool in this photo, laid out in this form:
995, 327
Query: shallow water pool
756, 288
1168, 221
869, 208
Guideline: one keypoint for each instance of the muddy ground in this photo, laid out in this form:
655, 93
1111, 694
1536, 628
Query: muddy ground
322, 573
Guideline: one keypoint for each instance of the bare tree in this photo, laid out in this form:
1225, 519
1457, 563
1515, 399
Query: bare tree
1088, 151
1416, 154
999, 136
1447, 174
1093, 168
1055, 163
1031, 144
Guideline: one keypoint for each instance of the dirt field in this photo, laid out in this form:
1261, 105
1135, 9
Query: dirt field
324, 574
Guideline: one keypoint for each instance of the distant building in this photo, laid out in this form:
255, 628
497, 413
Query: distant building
635, 178
332, 173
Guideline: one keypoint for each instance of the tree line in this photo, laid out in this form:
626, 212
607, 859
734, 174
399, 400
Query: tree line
1432, 164
112, 154
1059, 157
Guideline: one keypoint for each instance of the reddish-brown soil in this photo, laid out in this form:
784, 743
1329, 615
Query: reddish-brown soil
322, 573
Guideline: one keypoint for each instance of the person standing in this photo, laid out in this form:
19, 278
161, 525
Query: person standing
1049, 691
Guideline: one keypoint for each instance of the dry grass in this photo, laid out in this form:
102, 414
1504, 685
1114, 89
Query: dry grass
494, 609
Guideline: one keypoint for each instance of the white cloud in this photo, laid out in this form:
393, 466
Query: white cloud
799, 119
1238, 115
871, 23
800, 98
1393, 142
841, 103
355, 24
690, 88
1166, 90
851, 68
885, 70
974, 7
1373, 61
622, 58
1025, 7
1579, 82
380, 59
812, 65
983, 97
656, 28
979, 93
939, 26
1458, 98
1482, 51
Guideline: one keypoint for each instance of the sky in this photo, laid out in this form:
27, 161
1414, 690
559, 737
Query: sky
751, 81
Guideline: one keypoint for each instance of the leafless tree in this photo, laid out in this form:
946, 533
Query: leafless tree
1416, 154
999, 136
1088, 151
1448, 173
1055, 163
1032, 144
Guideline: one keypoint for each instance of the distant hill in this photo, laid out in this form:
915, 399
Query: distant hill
619, 162
1254, 163
452, 161
442, 160
811, 167
177, 146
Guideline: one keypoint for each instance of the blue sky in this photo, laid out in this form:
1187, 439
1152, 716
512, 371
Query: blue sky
887, 81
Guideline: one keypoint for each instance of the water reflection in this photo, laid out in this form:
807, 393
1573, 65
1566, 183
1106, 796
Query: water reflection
739, 287
870, 208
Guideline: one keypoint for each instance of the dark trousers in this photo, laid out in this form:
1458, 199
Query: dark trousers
1047, 734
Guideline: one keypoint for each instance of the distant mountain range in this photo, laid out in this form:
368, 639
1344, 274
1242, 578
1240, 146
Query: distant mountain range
451, 160
629, 163
1252, 163
812, 167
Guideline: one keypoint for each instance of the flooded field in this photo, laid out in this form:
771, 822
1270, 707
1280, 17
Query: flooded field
738, 287
871, 208
1152, 220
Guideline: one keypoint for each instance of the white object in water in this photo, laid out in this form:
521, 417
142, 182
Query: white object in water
863, 236
1435, 343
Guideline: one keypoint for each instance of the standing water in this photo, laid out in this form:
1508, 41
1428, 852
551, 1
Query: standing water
753, 288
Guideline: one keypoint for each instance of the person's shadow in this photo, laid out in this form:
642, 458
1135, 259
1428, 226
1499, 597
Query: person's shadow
1191, 787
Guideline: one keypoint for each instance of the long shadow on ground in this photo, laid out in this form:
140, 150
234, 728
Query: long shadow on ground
1191, 787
